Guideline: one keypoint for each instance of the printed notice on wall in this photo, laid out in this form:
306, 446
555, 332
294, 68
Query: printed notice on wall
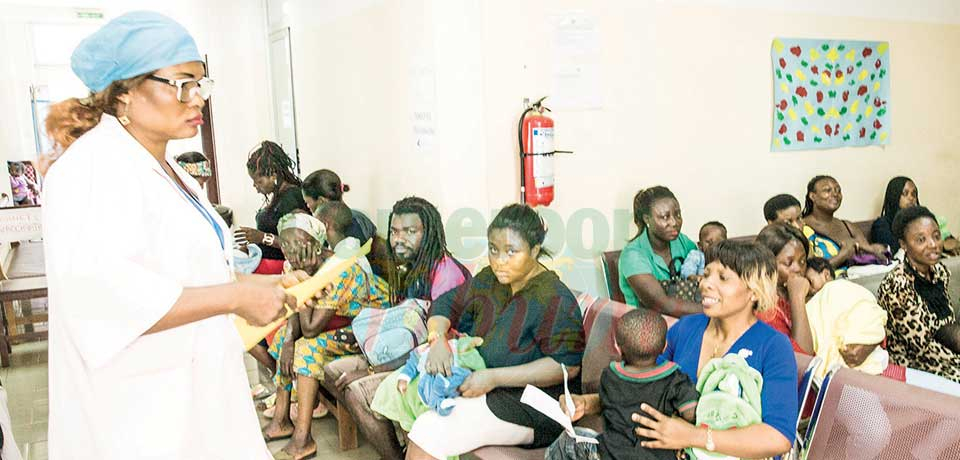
423, 102
576, 62
20, 224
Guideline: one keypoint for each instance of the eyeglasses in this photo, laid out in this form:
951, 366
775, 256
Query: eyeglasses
188, 87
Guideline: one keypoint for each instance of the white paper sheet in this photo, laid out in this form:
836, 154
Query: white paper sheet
542, 402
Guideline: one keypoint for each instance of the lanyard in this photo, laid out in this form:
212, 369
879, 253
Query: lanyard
206, 214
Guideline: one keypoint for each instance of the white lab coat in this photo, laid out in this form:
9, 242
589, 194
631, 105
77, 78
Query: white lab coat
121, 242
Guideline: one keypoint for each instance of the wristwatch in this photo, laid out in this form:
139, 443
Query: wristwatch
268, 239
709, 444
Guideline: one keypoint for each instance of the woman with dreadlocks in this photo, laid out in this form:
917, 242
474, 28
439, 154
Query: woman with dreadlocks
272, 173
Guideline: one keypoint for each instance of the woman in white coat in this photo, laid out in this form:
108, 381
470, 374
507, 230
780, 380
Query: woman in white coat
144, 360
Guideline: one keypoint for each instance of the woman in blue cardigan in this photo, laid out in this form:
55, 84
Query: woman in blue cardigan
739, 281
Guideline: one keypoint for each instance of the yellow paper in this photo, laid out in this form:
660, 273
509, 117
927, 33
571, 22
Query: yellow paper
329, 271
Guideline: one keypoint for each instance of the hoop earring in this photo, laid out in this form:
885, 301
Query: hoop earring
123, 118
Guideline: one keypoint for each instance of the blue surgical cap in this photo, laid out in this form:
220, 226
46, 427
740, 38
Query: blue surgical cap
132, 45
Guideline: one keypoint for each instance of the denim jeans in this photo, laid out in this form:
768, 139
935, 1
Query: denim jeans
565, 448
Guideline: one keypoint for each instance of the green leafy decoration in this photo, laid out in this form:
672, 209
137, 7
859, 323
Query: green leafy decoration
881, 112
873, 135
841, 47
794, 99
780, 116
803, 63
817, 139
843, 110
804, 120
779, 75
825, 47
786, 140
820, 111
790, 78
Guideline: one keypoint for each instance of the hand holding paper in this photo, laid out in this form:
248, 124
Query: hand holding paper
542, 402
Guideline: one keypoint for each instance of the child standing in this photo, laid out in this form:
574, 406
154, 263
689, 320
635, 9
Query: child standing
22, 187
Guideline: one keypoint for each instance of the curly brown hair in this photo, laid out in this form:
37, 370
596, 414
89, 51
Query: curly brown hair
70, 119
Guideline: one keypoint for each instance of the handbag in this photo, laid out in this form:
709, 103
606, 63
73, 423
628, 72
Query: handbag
677, 287
861, 257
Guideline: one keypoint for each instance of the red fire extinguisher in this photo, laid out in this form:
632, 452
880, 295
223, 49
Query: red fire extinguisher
535, 135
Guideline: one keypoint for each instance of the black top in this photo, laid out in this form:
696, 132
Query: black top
289, 200
541, 320
621, 394
882, 232
362, 228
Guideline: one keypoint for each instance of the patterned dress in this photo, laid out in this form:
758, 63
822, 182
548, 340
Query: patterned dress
355, 291
911, 325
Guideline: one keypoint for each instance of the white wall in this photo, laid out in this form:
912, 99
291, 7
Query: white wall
659, 63
231, 32
358, 64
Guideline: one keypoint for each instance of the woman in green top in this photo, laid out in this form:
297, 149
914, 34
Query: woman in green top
644, 262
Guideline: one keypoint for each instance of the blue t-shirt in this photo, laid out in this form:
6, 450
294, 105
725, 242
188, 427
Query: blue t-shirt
770, 354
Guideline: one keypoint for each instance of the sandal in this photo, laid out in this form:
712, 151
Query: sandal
259, 392
268, 438
283, 455
320, 412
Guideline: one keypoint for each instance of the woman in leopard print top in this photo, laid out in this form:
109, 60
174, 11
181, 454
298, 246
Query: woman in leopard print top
922, 330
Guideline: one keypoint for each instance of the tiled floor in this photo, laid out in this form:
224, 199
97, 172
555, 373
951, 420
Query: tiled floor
26, 384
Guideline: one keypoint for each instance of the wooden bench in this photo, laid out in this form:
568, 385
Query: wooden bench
22, 280
13, 292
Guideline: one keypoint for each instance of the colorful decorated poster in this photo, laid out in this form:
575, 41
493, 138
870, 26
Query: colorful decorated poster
830, 93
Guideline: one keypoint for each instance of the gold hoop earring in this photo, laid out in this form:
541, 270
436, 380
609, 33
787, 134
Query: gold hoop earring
123, 118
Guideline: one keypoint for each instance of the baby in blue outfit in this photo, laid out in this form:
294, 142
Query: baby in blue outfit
438, 391
710, 234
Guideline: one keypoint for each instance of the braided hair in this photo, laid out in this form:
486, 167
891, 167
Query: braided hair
643, 201
433, 248
268, 159
812, 187
891, 199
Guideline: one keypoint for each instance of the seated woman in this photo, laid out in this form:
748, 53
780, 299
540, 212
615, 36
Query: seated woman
922, 330
316, 335
902, 193
645, 261
530, 324
834, 239
739, 281
789, 316
271, 171
325, 185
